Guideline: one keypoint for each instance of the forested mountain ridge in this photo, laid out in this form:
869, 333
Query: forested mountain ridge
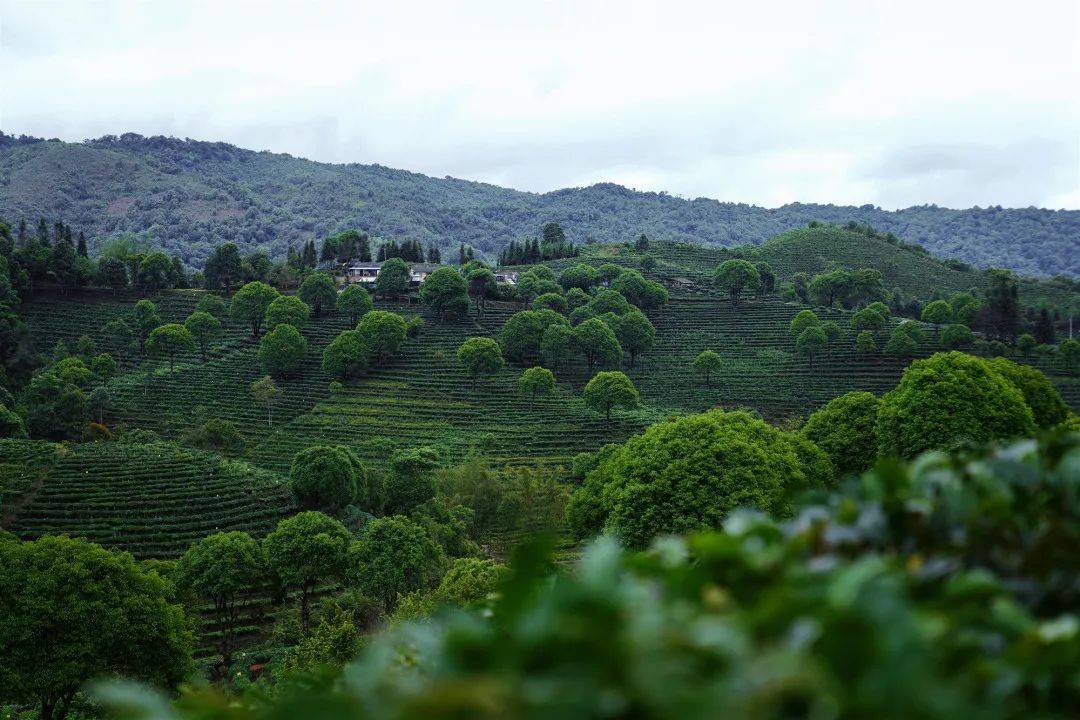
191, 195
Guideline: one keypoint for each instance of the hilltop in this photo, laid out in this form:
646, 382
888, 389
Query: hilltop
190, 195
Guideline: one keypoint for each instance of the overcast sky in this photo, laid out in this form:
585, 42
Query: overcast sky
892, 103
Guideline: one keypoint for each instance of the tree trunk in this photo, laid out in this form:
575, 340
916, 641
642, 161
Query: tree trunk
305, 609
225, 615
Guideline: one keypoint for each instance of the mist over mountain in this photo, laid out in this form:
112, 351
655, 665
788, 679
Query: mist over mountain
189, 196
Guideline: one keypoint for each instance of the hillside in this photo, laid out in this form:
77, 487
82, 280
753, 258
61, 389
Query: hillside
192, 195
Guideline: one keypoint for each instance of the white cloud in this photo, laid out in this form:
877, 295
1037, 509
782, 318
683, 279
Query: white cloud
849, 102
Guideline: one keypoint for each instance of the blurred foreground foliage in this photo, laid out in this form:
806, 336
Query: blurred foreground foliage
945, 588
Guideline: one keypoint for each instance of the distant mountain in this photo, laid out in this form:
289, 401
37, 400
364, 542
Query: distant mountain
190, 195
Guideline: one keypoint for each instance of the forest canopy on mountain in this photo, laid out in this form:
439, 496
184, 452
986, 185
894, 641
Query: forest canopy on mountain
188, 196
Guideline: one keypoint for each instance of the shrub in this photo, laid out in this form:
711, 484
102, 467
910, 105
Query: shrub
218, 435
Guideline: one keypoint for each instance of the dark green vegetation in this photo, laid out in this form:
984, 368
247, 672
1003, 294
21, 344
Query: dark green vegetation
191, 196
322, 466
936, 591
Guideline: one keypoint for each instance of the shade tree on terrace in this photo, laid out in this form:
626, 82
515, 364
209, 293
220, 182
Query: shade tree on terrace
535, 382
480, 356
204, 328
355, 302
169, 341
318, 291
327, 478
609, 390
707, 363
445, 291
222, 568
250, 303
304, 550
287, 310
394, 556
735, 276
282, 350
266, 392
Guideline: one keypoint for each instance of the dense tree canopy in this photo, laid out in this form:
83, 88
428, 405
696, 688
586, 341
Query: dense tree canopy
1047, 407
522, 332
688, 474
318, 291
845, 429
355, 302
250, 303
304, 550
609, 390
957, 336
53, 408
949, 398
71, 612
579, 276
597, 342
394, 556
220, 568
282, 350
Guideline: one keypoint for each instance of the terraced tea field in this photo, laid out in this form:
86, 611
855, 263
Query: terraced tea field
424, 397
150, 500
